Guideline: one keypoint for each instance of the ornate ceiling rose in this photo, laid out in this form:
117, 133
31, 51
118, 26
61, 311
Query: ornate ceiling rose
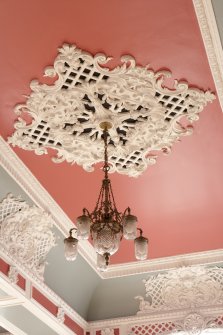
144, 115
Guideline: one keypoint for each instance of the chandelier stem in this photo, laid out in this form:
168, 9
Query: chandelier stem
106, 168
106, 165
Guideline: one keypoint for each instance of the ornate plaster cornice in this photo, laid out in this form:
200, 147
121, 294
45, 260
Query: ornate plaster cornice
212, 42
164, 263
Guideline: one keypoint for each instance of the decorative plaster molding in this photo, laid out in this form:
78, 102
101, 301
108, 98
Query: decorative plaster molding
13, 274
194, 324
158, 318
22, 175
107, 331
26, 234
186, 287
145, 115
61, 315
164, 263
212, 42
33, 280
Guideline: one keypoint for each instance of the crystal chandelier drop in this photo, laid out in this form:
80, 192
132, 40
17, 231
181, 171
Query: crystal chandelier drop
106, 225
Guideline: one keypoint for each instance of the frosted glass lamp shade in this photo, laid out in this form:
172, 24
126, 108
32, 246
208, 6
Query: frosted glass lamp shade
83, 227
101, 263
141, 248
70, 248
105, 240
129, 227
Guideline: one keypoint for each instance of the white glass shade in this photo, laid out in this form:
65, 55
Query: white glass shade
83, 227
129, 227
101, 263
70, 248
105, 240
141, 248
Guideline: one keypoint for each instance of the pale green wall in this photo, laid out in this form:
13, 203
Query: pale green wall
115, 297
74, 281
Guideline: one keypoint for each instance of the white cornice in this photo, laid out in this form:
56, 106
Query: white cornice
212, 42
165, 263
152, 318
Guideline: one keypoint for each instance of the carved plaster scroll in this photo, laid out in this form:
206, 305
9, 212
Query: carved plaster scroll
146, 116
186, 287
26, 234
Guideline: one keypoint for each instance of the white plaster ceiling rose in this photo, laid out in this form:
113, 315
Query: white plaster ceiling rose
66, 116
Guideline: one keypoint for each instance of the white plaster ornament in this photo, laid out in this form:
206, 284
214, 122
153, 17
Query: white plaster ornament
26, 234
13, 274
107, 331
186, 287
145, 115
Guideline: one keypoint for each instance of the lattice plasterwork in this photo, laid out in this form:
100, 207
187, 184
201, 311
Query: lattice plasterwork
186, 287
25, 232
192, 324
66, 115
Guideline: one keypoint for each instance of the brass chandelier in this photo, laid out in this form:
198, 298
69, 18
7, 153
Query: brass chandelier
106, 225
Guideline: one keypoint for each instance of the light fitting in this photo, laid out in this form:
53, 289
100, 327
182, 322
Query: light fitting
106, 225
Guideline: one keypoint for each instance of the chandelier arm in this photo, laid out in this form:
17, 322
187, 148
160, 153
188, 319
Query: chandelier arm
99, 198
113, 199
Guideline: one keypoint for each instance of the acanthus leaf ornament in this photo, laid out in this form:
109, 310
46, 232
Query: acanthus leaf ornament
145, 115
25, 233
183, 288
194, 323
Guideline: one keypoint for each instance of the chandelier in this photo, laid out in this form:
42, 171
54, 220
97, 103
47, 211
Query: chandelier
106, 225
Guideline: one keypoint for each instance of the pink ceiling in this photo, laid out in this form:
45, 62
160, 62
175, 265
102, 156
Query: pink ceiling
179, 201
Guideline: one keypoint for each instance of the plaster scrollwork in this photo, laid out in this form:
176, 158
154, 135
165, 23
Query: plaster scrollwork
26, 234
13, 274
186, 287
145, 115
107, 331
194, 323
